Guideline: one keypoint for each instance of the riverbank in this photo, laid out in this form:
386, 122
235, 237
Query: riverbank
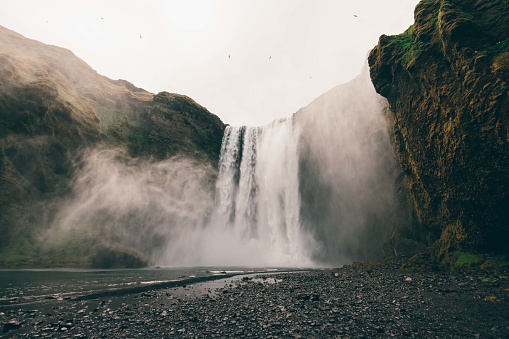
360, 300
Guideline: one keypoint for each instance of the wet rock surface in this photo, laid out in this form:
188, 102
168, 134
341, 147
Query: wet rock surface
360, 300
446, 81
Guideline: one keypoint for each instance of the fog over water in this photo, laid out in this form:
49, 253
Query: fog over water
152, 207
347, 173
317, 188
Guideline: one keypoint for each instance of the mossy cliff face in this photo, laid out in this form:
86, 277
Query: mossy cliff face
446, 80
53, 107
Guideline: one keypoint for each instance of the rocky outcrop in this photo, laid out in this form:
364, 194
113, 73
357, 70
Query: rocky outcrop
53, 107
107, 257
446, 80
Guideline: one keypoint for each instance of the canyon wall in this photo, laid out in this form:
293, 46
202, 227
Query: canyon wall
445, 79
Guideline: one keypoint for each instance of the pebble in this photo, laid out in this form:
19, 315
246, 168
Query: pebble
344, 302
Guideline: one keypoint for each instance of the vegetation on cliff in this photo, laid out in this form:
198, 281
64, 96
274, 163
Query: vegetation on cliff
53, 108
446, 80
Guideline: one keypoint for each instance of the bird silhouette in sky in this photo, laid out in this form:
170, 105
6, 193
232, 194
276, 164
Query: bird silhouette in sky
228, 56
141, 37
270, 57
102, 18
355, 15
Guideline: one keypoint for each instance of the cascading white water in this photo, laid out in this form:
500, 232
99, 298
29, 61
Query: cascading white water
279, 201
246, 197
257, 191
228, 172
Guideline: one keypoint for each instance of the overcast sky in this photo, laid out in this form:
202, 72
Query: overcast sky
248, 61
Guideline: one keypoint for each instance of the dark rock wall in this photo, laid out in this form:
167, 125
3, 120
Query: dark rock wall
53, 107
446, 82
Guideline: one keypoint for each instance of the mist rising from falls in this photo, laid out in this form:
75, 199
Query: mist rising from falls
347, 173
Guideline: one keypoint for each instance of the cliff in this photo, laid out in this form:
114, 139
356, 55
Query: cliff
54, 108
445, 79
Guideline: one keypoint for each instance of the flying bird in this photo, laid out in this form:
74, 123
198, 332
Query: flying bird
355, 15
141, 37
228, 56
270, 57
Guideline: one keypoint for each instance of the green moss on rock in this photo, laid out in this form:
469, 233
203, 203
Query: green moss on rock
445, 79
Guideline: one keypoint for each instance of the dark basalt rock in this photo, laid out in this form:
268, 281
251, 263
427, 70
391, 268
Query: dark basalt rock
113, 257
11, 325
351, 303
446, 82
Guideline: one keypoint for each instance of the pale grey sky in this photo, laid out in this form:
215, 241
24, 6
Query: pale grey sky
248, 61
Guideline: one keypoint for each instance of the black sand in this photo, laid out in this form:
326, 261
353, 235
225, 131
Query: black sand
365, 300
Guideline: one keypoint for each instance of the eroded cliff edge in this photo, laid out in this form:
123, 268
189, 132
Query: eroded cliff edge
446, 81
54, 109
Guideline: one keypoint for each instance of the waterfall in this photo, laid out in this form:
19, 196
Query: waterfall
257, 191
317, 188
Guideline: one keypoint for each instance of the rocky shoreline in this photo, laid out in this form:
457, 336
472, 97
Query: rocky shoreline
360, 300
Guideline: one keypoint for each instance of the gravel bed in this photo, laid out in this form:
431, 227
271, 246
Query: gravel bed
356, 301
